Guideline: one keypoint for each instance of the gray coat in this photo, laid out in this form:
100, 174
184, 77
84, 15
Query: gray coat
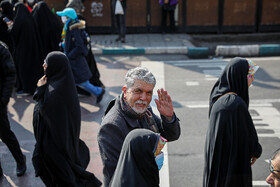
114, 128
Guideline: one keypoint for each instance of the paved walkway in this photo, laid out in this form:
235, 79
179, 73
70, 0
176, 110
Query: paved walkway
257, 44
142, 44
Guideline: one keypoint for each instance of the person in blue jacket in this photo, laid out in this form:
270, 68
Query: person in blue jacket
75, 48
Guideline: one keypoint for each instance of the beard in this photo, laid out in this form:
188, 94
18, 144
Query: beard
140, 110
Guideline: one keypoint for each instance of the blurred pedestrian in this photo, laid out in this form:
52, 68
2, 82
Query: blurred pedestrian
77, 5
232, 144
274, 167
49, 27
29, 4
168, 7
60, 158
14, 2
131, 110
6, 15
27, 53
7, 82
120, 20
75, 47
137, 165
95, 79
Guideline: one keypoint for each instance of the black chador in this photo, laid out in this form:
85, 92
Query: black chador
49, 27
60, 158
137, 166
231, 139
27, 50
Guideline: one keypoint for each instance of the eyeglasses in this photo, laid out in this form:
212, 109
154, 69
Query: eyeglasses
276, 173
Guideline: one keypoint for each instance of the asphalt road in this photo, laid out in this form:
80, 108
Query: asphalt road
189, 83
190, 87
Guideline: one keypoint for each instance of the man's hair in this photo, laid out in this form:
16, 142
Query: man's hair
139, 73
275, 154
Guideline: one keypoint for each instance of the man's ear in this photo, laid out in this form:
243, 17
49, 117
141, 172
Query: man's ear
124, 89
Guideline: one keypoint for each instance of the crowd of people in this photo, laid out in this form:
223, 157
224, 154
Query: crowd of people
31, 31
52, 61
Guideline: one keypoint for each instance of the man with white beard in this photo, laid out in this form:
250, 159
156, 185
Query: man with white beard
131, 111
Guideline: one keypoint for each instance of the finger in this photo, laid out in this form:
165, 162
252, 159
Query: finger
169, 99
42, 78
157, 103
159, 95
165, 95
253, 160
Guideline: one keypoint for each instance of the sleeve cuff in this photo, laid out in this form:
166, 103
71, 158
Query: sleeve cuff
169, 122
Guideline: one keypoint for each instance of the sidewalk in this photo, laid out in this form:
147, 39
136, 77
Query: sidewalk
259, 44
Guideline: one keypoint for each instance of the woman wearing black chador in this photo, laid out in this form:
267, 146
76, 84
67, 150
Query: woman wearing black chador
232, 144
60, 158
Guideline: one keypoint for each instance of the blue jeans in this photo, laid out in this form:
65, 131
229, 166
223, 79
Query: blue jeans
87, 86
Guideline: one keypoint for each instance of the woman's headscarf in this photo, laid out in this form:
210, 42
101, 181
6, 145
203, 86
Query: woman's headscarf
49, 27
136, 165
7, 9
233, 79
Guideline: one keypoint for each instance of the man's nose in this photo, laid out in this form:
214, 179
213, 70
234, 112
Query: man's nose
143, 96
269, 179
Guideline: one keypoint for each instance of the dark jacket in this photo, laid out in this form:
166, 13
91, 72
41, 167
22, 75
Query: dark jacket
114, 128
76, 51
7, 12
7, 75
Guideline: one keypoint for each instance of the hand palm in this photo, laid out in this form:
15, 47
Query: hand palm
164, 103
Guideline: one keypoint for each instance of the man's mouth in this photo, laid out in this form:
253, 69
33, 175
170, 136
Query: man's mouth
141, 105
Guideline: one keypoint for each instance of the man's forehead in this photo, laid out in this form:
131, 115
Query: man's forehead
141, 83
276, 163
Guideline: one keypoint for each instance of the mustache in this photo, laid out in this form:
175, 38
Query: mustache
141, 102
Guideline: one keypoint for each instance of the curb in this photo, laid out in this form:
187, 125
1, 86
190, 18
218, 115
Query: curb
248, 50
269, 50
195, 52
147, 50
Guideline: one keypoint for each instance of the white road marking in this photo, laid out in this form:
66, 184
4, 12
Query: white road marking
210, 74
260, 183
157, 68
267, 114
10, 181
192, 83
120, 60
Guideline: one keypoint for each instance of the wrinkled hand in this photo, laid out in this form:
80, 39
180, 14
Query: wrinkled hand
42, 81
164, 104
253, 160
